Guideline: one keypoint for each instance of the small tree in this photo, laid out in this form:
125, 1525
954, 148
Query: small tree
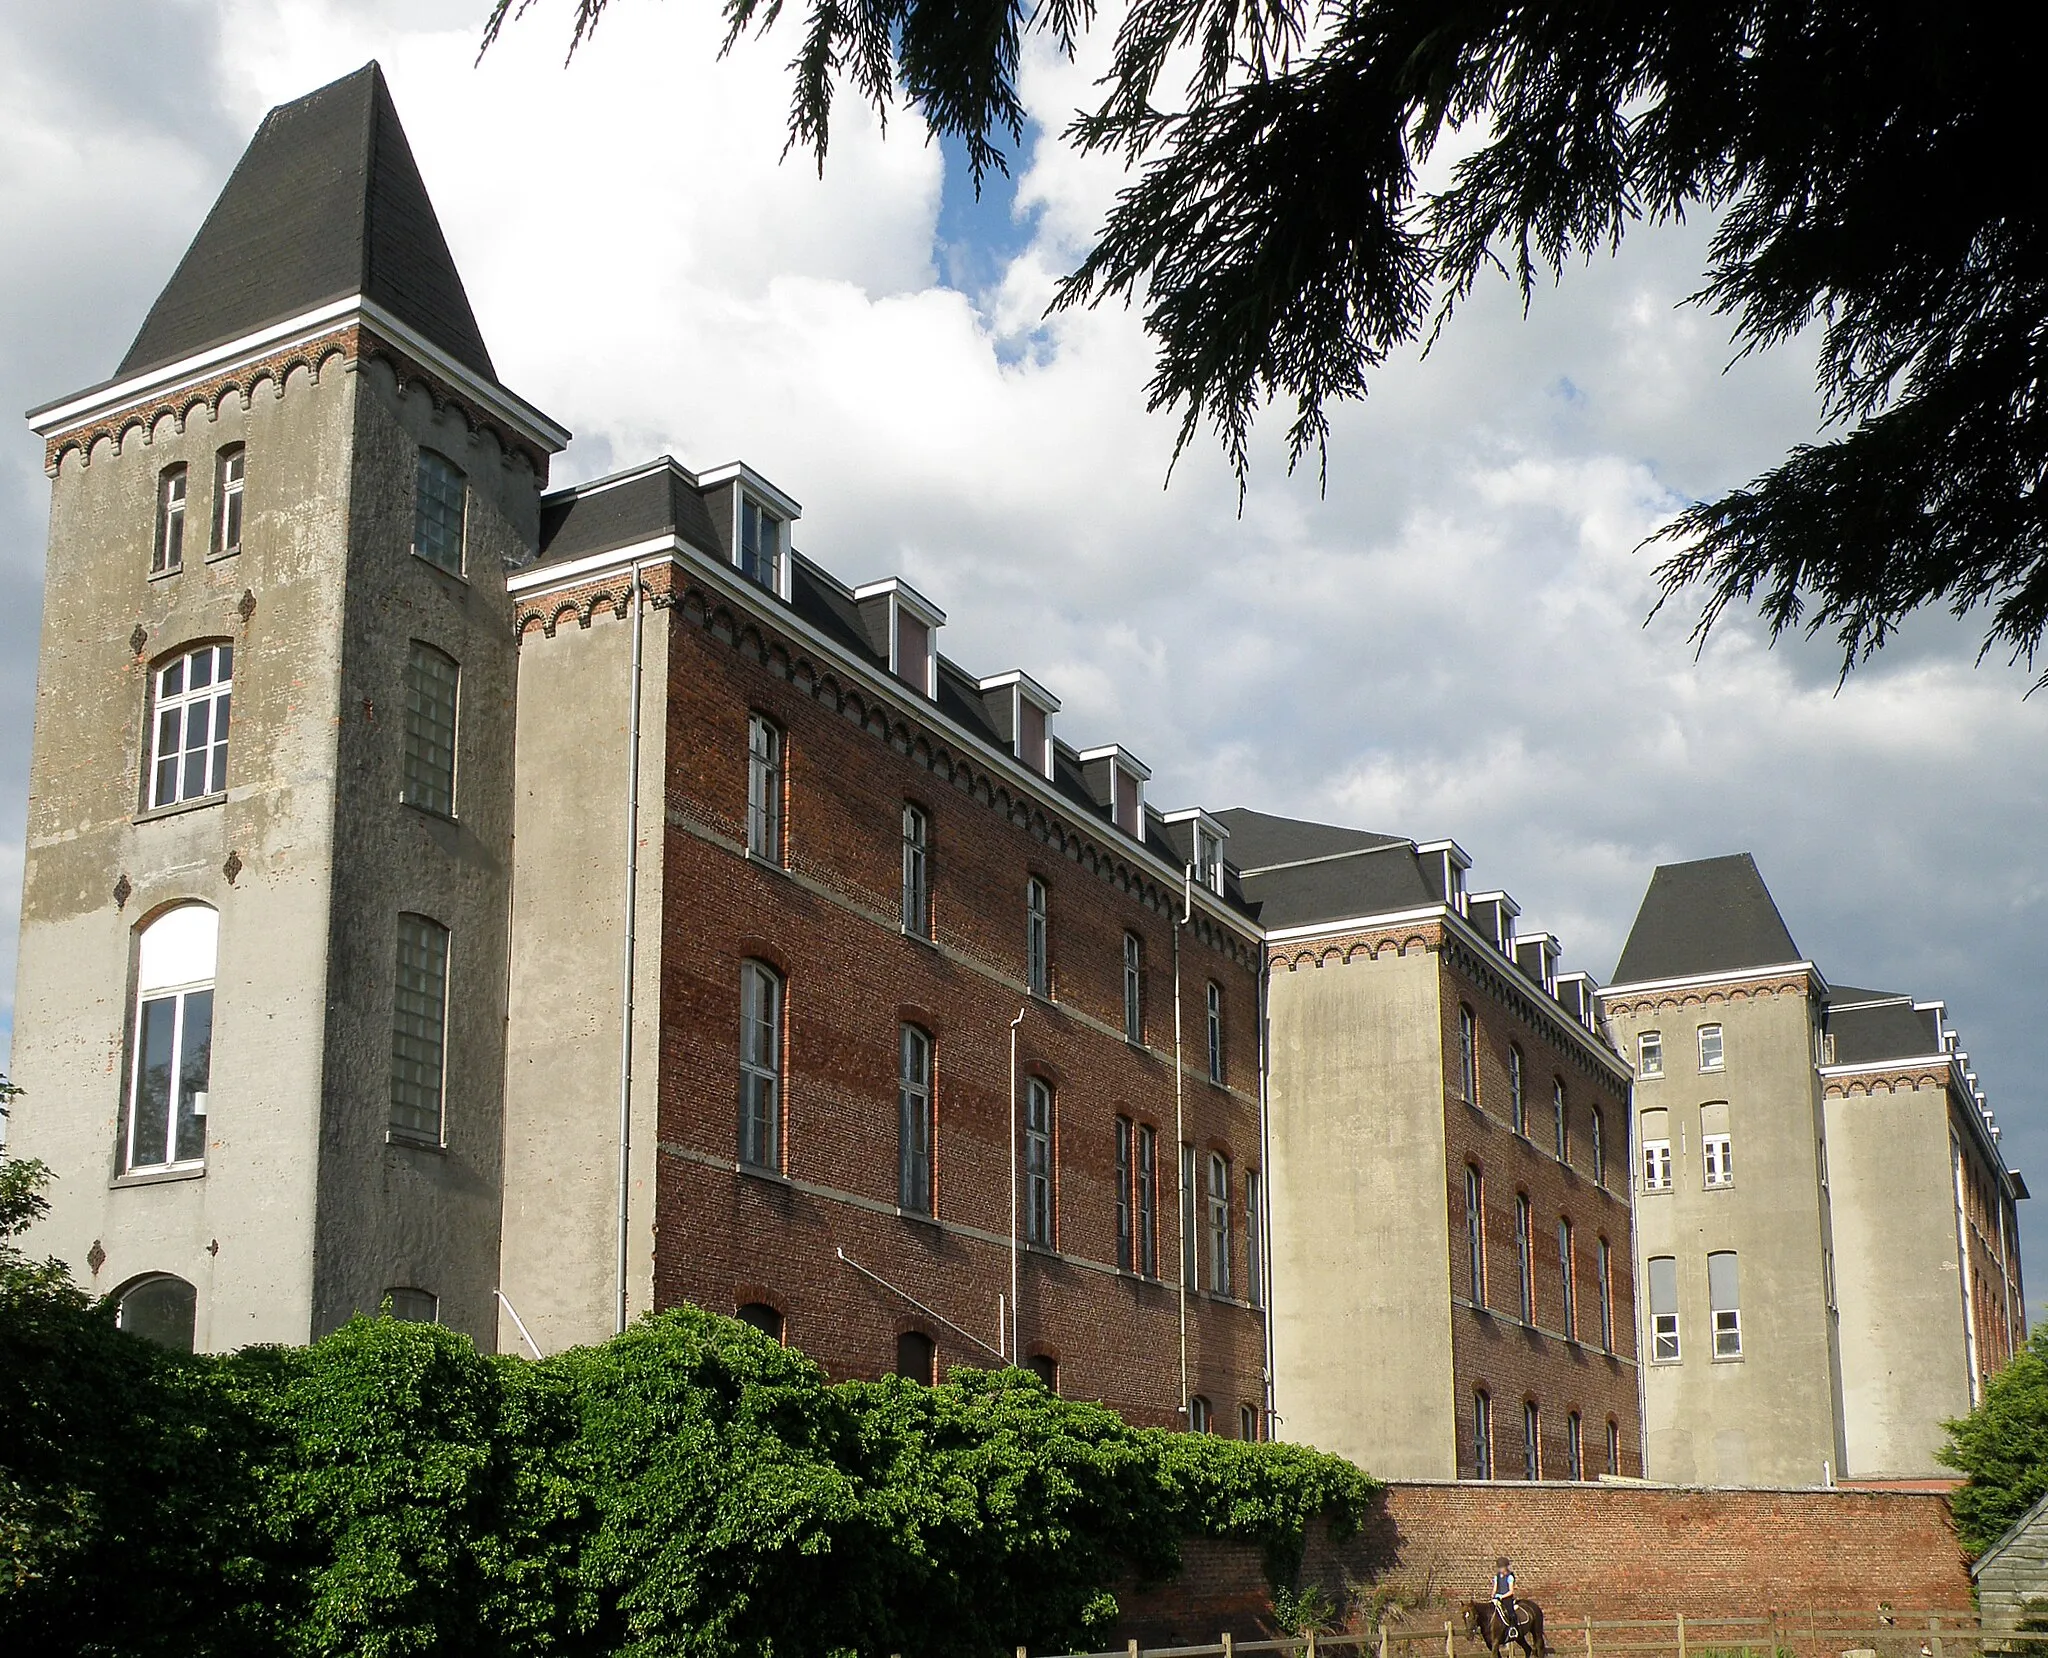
2002, 1446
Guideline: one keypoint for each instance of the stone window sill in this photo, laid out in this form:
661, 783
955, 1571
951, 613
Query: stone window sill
157, 1177
151, 814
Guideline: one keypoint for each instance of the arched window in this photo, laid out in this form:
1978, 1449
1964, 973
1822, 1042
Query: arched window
1038, 1193
169, 551
1518, 1098
228, 469
1134, 988
171, 1042
1599, 1148
1561, 1130
914, 1121
1522, 1258
1475, 1233
162, 1309
1613, 1446
1248, 1422
189, 725
916, 1357
1574, 1448
1037, 937
413, 1306
1468, 1055
1567, 1287
1046, 1368
1215, 1008
764, 789
1198, 1414
917, 880
1219, 1223
760, 1066
760, 1316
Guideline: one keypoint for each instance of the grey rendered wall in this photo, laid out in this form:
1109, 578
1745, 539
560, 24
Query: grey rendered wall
1770, 1417
560, 1251
241, 1231
391, 1212
1361, 1248
1905, 1361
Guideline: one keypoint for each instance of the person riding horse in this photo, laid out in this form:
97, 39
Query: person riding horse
1506, 1620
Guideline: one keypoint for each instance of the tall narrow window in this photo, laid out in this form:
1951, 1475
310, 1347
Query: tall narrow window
760, 545
1038, 1196
1126, 1177
1134, 989
1215, 1009
1606, 1296
764, 789
189, 759
760, 1066
1037, 938
1566, 1287
1247, 1422
1254, 1259
1046, 1368
433, 685
1518, 1094
1522, 1260
1482, 1435
1532, 1441
228, 468
1561, 1131
917, 1357
1710, 1048
914, 1121
1599, 1126
1468, 1055
169, 552
171, 1044
1219, 1224
1717, 1148
1650, 1054
917, 886
1613, 1446
439, 510
1724, 1296
419, 1028
1148, 1200
1574, 1447
1198, 1414
1475, 1234
1663, 1309
1656, 1142
1188, 1250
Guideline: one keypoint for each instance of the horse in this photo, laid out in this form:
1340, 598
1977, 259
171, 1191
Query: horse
1483, 1619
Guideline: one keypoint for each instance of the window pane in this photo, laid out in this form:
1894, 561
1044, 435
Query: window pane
1125, 1254
149, 1132
914, 1121
195, 1066
432, 692
162, 1310
760, 1066
191, 725
1148, 1202
438, 514
419, 1019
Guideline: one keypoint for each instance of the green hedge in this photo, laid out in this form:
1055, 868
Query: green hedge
687, 1488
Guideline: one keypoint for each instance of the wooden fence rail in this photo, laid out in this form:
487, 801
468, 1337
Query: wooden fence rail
1803, 1634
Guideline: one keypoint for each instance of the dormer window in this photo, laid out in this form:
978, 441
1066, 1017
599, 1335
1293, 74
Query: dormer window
760, 545
1021, 711
1117, 781
1208, 859
1200, 839
903, 625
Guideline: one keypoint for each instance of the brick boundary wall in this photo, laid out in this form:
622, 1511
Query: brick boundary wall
1598, 1551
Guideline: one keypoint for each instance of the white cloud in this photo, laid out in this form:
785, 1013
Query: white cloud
1449, 641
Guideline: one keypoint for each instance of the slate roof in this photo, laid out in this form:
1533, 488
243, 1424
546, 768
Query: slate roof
325, 203
1260, 841
1713, 916
1873, 1025
1298, 873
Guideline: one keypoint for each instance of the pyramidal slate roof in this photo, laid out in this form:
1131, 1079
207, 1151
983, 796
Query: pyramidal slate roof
1713, 916
325, 203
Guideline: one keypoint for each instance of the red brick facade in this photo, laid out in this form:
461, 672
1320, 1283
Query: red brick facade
1599, 1552
829, 922
1585, 1370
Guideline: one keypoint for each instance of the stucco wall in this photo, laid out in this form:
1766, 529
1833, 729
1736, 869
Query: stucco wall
1904, 1360
1361, 1247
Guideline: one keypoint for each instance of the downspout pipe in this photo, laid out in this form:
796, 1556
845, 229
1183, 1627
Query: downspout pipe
1016, 1254
1182, 1161
1265, 1215
629, 955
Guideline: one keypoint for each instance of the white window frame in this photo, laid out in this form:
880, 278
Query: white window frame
167, 550
748, 551
1727, 1319
171, 717
230, 473
1665, 1346
916, 1164
1219, 1224
176, 967
1713, 1049
1038, 937
763, 1002
766, 760
1213, 1002
917, 871
1657, 1165
1650, 1054
1198, 1414
1717, 1159
1134, 988
1041, 1204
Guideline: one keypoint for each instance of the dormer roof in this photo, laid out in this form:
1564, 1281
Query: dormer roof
326, 203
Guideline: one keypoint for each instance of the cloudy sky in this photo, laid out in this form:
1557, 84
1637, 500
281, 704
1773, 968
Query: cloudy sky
1450, 642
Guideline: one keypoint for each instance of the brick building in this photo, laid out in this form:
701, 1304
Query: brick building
593, 904
1452, 1294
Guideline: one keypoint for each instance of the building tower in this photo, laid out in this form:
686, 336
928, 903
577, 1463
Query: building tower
1826, 1239
265, 904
